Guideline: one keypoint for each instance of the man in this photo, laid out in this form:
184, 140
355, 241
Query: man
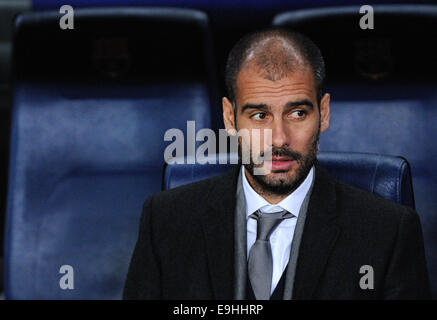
290, 233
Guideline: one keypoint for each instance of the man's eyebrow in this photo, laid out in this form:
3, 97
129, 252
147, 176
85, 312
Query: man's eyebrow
289, 105
255, 106
304, 102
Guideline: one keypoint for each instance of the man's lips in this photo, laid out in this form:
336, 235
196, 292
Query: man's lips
282, 163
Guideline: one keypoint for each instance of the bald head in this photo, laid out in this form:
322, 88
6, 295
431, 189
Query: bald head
274, 54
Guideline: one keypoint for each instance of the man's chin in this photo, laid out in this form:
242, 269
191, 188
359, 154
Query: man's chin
279, 181
276, 183
280, 177
283, 179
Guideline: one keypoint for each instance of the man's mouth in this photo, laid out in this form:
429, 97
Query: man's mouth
282, 163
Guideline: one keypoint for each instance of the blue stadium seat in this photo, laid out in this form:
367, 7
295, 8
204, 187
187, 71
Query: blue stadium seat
386, 176
383, 88
91, 106
8, 11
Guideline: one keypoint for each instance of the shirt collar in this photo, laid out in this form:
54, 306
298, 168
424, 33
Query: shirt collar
291, 203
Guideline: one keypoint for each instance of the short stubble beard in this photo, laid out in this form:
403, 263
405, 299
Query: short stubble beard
282, 187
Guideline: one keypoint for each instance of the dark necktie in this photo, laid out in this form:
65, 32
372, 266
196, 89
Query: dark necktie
260, 265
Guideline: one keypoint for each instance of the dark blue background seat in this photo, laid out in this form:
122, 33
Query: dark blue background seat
384, 175
383, 88
91, 106
8, 11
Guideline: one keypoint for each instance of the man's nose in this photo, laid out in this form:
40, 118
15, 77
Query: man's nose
279, 135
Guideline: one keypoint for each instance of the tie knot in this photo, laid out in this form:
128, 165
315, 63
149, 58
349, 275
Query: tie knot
267, 222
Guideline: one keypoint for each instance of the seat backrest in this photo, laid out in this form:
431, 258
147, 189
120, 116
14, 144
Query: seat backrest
386, 176
383, 91
91, 107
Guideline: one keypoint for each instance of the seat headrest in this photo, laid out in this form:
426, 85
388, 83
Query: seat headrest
107, 44
398, 48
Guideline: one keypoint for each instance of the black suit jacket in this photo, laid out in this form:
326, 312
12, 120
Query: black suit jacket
185, 247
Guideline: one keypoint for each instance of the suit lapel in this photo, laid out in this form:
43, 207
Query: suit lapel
218, 227
319, 236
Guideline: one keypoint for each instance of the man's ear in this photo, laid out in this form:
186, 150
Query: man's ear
324, 112
228, 115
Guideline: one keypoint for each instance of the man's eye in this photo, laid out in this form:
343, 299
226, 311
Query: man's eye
298, 114
259, 116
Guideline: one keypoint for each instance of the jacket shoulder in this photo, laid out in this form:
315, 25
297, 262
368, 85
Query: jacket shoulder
186, 197
369, 205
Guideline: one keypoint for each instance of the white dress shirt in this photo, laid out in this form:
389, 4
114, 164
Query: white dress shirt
282, 236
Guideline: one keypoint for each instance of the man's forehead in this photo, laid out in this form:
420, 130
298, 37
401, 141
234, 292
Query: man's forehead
251, 84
